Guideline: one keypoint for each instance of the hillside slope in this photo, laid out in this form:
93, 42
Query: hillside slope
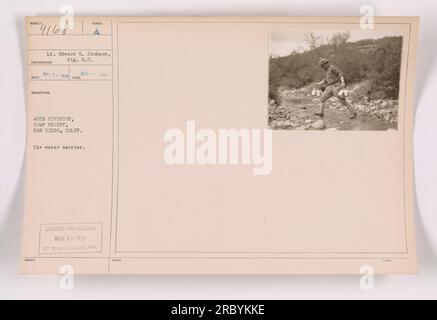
375, 61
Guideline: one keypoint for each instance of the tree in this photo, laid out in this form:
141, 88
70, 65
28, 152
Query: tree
312, 40
340, 38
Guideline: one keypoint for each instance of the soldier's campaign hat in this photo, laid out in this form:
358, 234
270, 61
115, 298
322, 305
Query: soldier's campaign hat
322, 61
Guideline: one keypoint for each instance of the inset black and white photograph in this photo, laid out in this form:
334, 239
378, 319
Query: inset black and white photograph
334, 79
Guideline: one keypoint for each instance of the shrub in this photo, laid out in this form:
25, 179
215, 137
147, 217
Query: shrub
377, 61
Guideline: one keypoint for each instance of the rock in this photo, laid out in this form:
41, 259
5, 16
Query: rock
319, 124
304, 127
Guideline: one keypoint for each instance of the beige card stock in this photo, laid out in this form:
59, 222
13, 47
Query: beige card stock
172, 146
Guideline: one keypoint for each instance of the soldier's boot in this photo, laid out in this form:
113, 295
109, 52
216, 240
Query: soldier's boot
321, 113
351, 110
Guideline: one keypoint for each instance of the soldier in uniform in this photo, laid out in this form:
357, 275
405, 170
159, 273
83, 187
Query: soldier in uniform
334, 83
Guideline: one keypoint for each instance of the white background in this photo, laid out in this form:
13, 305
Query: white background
12, 141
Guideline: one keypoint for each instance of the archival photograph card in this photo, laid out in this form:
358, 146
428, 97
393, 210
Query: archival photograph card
220, 145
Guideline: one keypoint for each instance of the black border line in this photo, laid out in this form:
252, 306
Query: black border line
112, 151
